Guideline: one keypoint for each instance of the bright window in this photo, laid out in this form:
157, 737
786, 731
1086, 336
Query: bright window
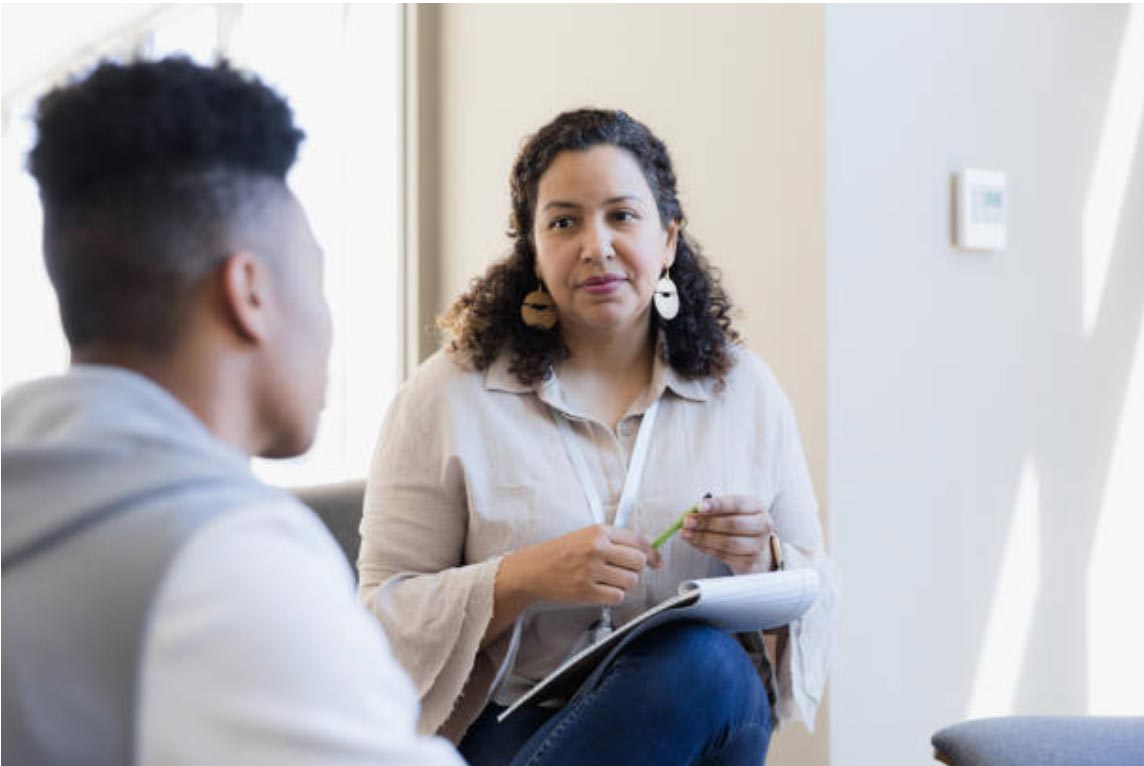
339, 67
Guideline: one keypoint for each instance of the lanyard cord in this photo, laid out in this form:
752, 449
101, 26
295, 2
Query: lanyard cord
627, 496
631, 480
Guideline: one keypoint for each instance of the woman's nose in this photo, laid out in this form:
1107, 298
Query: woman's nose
597, 243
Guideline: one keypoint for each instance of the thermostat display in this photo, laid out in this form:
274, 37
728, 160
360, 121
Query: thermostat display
980, 210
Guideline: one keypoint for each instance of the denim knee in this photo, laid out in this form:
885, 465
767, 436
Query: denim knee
697, 665
679, 693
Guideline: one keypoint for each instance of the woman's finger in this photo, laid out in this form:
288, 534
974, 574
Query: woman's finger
618, 577
627, 539
748, 525
731, 504
632, 559
729, 545
621, 536
607, 594
738, 563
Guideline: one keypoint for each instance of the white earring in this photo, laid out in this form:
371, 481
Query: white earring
666, 297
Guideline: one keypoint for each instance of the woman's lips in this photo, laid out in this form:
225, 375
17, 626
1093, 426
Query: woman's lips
601, 285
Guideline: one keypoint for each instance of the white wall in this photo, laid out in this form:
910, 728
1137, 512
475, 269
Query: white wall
735, 92
952, 376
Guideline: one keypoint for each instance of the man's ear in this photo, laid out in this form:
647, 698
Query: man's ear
246, 295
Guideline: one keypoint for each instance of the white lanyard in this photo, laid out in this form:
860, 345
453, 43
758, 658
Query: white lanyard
635, 467
627, 498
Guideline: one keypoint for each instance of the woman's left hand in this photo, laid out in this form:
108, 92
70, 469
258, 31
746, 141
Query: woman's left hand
735, 529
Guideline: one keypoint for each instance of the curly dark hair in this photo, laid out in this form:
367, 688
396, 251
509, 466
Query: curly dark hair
485, 321
143, 169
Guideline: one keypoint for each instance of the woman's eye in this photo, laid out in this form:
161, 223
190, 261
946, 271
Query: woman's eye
560, 223
623, 216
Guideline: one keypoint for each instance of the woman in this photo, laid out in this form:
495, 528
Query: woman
593, 389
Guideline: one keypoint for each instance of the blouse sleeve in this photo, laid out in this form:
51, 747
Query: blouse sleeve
800, 656
434, 609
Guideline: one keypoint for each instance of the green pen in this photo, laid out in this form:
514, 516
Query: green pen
678, 525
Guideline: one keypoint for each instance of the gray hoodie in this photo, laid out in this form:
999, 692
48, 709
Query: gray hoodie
105, 477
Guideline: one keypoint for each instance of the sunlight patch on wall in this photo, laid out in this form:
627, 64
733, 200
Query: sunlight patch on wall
1116, 574
1114, 156
1011, 616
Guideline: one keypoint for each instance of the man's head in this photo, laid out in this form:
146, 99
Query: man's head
168, 227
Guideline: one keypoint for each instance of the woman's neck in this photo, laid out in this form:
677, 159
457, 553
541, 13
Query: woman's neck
609, 353
605, 373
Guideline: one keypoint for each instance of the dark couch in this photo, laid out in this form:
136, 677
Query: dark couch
339, 506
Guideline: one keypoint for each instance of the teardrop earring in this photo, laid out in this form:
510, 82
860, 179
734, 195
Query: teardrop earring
538, 309
666, 296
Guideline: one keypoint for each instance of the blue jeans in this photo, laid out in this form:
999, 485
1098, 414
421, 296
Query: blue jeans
683, 693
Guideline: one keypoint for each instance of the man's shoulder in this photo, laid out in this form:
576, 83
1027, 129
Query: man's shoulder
265, 520
258, 610
260, 566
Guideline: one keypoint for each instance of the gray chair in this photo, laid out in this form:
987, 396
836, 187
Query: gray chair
339, 507
1042, 741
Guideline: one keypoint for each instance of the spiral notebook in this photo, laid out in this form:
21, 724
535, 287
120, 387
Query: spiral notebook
738, 604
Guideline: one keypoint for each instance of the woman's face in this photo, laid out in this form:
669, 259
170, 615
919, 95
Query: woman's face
600, 244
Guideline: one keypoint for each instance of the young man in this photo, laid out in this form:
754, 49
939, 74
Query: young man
160, 605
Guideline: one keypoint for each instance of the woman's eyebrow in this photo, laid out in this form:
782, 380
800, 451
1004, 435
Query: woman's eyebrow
562, 205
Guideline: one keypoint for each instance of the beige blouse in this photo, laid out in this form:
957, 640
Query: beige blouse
471, 465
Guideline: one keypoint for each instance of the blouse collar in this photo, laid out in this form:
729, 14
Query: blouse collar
664, 378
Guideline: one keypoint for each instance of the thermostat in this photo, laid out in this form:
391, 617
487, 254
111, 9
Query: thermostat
980, 209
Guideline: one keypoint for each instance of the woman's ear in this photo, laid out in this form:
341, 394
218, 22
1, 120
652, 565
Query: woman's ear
246, 295
671, 242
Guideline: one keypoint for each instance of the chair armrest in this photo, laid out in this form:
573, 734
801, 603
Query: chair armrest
339, 506
1042, 740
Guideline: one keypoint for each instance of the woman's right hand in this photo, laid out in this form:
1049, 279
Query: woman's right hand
593, 565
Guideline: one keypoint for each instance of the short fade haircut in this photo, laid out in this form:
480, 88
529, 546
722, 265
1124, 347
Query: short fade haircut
145, 169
